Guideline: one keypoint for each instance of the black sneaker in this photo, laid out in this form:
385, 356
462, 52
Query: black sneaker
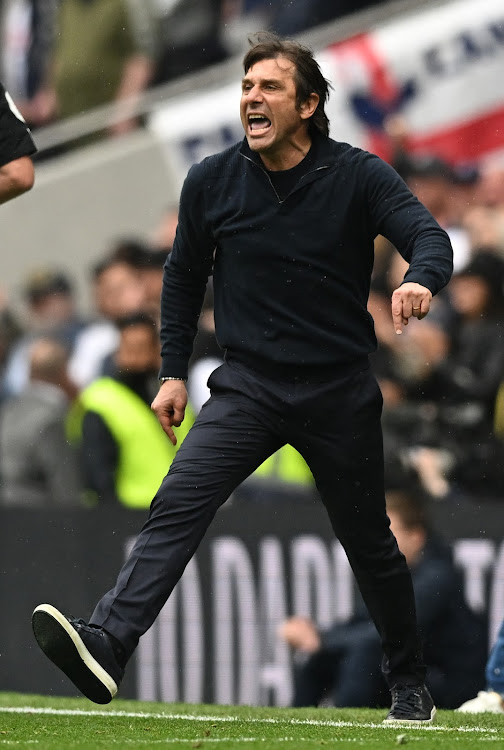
83, 652
411, 704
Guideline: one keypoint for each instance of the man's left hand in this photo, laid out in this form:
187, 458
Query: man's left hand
409, 300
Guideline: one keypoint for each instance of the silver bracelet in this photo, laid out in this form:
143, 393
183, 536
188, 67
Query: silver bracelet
163, 380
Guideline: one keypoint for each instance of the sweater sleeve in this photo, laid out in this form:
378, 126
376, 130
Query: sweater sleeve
15, 137
185, 277
400, 217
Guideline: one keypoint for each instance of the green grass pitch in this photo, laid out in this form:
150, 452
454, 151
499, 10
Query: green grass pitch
42, 723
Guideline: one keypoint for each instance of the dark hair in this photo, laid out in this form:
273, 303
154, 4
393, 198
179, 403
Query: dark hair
487, 265
410, 508
130, 251
45, 283
154, 260
308, 77
138, 318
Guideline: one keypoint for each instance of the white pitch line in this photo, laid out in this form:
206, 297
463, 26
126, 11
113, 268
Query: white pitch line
193, 740
185, 741
251, 720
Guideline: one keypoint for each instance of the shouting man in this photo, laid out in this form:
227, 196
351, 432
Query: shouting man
285, 221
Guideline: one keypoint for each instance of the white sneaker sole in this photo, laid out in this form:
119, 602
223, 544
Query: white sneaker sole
486, 702
412, 722
62, 644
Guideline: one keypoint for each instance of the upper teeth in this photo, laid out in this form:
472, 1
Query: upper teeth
257, 117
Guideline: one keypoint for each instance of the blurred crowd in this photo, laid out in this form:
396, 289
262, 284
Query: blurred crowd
60, 58
442, 381
67, 377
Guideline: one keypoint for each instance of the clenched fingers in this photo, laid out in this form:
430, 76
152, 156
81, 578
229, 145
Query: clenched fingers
409, 300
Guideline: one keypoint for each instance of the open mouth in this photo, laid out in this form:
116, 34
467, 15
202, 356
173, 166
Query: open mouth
258, 124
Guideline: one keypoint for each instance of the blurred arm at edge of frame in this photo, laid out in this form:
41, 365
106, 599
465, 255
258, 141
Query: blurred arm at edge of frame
16, 178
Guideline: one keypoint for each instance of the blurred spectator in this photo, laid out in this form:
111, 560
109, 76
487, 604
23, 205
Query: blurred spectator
27, 32
38, 466
125, 452
284, 476
439, 187
448, 191
484, 222
51, 310
490, 700
485, 227
118, 285
104, 52
345, 659
148, 263
430, 179
164, 234
241, 18
131, 251
466, 185
10, 329
475, 364
462, 389
118, 291
152, 279
286, 17
291, 17
491, 187
190, 37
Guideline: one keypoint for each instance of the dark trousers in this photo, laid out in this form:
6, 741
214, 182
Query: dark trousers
336, 427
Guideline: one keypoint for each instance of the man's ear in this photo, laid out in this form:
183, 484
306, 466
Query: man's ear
309, 106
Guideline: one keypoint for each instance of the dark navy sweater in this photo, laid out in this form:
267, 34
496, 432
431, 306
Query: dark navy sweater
292, 276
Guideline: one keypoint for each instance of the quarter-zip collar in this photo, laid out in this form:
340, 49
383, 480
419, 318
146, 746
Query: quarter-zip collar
323, 159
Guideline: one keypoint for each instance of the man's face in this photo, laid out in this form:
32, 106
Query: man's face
119, 291
410, 541
268, 109
138, 350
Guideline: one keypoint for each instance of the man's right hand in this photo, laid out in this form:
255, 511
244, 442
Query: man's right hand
169, 406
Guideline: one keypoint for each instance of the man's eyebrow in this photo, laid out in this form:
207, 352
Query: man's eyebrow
264, 81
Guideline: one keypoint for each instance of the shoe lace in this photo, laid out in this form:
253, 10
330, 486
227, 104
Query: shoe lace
117, 648
405, 698
84, 625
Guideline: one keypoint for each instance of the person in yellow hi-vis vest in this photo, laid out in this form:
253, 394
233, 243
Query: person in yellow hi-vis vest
285, 473
125, 453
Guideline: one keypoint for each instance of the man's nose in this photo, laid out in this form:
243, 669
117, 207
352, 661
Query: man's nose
254, 94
